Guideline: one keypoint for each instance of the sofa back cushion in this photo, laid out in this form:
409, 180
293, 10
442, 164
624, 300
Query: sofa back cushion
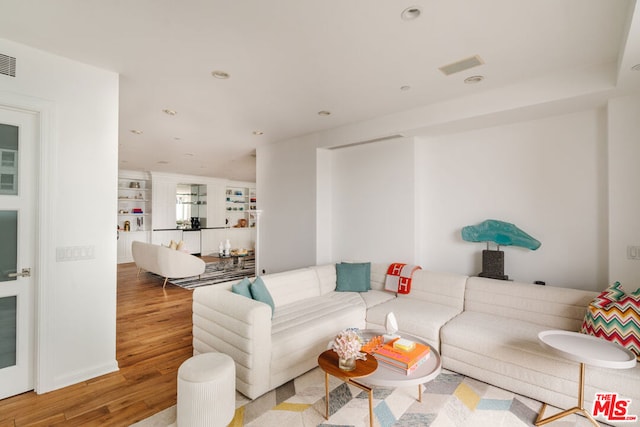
291, 286
553, 307
438, 288
378, 275
326, 277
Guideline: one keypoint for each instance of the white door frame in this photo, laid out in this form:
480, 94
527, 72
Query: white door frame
46, 149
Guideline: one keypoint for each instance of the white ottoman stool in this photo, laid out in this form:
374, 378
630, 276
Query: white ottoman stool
206, 391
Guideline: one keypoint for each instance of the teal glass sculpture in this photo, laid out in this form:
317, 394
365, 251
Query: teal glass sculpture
499, 232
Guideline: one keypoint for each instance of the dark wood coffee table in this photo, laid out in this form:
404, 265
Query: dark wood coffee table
328, 362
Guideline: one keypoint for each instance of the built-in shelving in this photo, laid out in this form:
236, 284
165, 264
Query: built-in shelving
134, 212
240, 205
134, 204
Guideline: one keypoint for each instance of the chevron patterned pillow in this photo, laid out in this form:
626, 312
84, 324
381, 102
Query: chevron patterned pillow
615, 316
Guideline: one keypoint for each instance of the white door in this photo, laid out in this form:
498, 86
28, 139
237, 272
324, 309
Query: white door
18, 154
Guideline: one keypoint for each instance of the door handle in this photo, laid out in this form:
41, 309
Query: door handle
26, 272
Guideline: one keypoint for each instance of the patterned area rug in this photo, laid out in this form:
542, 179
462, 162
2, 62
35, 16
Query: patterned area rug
218, 272
451, 400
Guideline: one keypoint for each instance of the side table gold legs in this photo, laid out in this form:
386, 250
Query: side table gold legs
326, 396
363, 387
580, 408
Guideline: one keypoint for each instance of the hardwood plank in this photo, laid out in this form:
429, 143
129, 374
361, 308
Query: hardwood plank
153, 338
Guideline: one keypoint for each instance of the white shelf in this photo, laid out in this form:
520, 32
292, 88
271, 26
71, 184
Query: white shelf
136, 197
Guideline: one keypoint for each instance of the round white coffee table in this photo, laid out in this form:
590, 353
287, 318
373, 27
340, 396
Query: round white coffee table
384, 377
585, 349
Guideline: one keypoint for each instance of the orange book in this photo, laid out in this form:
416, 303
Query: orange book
406, 371
405, 359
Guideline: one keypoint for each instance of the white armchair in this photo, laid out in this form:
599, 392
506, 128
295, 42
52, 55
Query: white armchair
166, 262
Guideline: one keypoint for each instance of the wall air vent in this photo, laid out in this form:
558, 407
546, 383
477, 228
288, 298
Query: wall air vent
7, 65
463, 64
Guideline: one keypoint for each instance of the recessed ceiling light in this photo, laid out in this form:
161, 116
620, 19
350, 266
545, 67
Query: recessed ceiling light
324, 113
163, 162
136, 131
405, 88
169, 112
410, 13
636, 67
177, 138
218, 74
258, 132
473, 80
188, 154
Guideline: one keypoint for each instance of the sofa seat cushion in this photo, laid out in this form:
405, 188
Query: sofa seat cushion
507, 353
351, 298
374, 297
422, 319
499, 335
301, 331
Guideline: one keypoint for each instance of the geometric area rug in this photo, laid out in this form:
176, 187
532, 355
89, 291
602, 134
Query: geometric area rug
218, 272
450, 400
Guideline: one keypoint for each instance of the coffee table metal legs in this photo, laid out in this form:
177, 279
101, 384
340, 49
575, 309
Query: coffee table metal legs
369, 391
580, 408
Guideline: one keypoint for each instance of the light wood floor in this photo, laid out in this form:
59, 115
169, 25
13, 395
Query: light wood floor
153, 339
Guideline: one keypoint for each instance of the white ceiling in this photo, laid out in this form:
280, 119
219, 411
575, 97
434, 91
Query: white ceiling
289, 59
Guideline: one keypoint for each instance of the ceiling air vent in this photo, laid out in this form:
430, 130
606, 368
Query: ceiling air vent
7, 65
463, 64
368, 141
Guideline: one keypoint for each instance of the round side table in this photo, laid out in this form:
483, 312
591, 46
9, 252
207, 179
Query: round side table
328, 362
585, 349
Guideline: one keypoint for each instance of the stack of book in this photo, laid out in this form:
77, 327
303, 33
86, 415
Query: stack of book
402, 355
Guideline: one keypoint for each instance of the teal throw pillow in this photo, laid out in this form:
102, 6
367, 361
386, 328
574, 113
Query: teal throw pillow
353, 277
259, 292
242, 288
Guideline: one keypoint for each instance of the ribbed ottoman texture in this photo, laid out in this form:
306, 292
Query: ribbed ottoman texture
206, 391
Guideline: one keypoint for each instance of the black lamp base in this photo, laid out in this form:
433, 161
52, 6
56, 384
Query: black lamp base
493, 265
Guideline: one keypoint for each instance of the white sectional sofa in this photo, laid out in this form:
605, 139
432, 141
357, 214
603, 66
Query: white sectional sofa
486, 329
271, 350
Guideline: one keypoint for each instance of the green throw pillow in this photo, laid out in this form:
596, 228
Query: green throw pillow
242, 288
259, 292
353, 277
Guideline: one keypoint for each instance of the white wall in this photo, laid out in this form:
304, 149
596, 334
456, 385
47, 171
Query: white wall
546, 176
77, 299
286, 188
624, 194
372, 187
324, 206
296, 230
